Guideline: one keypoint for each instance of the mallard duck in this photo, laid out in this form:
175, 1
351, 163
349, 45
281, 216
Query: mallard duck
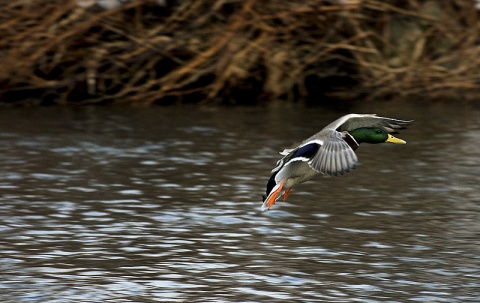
330, 152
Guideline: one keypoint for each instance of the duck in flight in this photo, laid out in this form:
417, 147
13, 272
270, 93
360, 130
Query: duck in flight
330, 152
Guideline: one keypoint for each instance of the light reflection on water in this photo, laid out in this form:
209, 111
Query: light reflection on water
153, 205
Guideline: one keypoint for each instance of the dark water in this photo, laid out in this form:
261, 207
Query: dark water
163, 205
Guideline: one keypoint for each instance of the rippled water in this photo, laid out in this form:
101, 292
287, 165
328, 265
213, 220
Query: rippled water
163, 205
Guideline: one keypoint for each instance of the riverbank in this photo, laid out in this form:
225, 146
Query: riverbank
231, 52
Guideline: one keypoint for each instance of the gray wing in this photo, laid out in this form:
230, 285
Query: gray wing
354, 121
335, 157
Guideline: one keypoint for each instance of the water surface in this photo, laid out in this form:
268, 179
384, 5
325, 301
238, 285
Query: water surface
163, 205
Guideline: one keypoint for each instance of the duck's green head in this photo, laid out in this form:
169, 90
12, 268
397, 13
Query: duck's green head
374, 135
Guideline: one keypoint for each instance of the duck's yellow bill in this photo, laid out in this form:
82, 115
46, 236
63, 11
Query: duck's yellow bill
395, 140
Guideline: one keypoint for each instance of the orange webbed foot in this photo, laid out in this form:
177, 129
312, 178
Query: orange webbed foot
273, 196
285, 195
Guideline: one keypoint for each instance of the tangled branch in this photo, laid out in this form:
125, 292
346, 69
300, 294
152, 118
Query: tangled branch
230, 51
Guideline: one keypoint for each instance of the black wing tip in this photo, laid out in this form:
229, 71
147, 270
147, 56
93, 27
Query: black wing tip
340, 172
405, 123
395, 125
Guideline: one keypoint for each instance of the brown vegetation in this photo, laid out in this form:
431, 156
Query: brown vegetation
233, 51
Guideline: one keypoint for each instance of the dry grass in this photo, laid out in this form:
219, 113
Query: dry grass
237, 51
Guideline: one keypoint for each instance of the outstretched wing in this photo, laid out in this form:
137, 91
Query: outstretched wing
354, 121
334, 157
326, 152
